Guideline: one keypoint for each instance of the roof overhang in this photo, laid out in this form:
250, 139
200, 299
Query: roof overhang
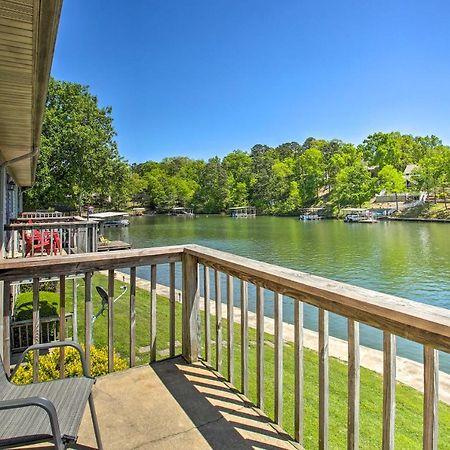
28, 31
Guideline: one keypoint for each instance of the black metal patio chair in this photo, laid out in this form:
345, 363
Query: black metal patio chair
45, 412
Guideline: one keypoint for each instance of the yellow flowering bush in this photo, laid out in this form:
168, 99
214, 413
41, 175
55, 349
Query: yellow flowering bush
49, 365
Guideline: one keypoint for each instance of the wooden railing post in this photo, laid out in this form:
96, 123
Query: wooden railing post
191, 297
430, 398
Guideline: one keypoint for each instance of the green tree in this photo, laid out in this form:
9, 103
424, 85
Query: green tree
310, 171
212, 193
433, 173
237, 166
382, 149
392, 180
354, 186
79, 156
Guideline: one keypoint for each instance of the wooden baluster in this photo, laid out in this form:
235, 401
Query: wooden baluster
69, 249
353, 386
62, 321
218, 321
52, 243
6, 313
206, 295
22, 243
389, 369
132, 316
36, 329
153, 313
299, 371
260, 347
20, 337
230, 325
323, 379
111, 320
244, 337
75, 310
431, 398
172, 311
14, 243
278, 318
88, 317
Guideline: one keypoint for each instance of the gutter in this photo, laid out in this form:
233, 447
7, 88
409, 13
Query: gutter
33, 154
29, 155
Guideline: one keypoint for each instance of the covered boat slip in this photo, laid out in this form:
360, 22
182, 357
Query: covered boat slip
242, 212
110, 219
181, 211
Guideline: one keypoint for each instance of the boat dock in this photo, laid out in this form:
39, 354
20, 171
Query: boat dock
239, 212
181, 211
311, 214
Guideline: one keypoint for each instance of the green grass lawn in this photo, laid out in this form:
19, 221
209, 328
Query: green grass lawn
409, 401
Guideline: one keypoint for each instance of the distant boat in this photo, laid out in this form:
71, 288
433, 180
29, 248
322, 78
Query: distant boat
311, 214
309, 217
352, 218
368, 220
360, 216
117, 223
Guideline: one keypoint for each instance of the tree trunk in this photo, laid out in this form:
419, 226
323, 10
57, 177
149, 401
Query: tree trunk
79, 204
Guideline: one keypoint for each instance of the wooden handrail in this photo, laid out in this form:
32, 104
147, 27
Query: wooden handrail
37, 267
45, 225
416, 321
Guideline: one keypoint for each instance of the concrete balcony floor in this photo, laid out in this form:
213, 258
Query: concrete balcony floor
173, 405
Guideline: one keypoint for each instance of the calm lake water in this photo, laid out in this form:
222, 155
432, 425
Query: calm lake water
410, 260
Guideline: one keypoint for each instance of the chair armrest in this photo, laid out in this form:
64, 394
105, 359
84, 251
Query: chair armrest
40, 402
54, 345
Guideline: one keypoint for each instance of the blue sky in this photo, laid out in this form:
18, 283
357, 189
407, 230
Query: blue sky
204, 77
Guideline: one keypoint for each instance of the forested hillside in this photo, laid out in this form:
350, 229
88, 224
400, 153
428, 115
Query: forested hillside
283, 179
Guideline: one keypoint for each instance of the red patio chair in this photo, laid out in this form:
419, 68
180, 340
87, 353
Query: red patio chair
55, 245
35, 243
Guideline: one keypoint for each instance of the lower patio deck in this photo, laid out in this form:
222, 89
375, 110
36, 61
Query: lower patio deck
172, 404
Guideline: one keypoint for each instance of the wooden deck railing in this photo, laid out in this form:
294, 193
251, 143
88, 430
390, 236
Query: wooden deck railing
424, 324
50, 238
41, 214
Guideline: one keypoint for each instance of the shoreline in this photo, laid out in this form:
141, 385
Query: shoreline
394, 219
418, 219
409, 373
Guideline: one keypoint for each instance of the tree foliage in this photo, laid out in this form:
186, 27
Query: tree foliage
79, 159
283, 179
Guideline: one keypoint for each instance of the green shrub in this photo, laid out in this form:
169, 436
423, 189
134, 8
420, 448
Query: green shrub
49, 365
49, 286
48, 305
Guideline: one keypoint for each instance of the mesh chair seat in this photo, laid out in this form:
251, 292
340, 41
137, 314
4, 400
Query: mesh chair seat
69, 397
